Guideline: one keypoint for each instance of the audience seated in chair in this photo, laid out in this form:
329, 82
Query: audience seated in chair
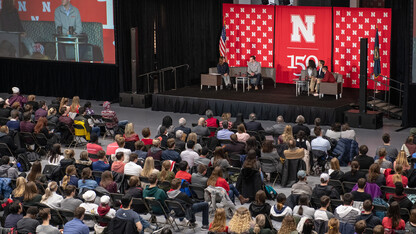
354, 175
153, 191
371, 219
166, 175
121, 142
249, 181
70, 202
118, 166
302, 186
131, 168
391, 152
155, 151
198, 177
224, 133
393, 219
322, 213
346, 213
189, 155
170, 153
102, 163
252, 125
324, 189
300, 121
363, 160
190, 207
400, 197
234, 147
93, 147
280, 210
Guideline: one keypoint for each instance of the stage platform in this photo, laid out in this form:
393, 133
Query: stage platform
267, 103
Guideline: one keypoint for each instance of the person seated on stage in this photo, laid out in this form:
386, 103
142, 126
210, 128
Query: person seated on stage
314, 84
254, 71
224, 70
329, 77
311, 72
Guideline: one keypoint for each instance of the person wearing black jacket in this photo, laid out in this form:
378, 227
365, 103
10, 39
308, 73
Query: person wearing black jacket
401, 197
370, 219
362, 159
354, 175
260, 206
189, 205
325, 189
300, 120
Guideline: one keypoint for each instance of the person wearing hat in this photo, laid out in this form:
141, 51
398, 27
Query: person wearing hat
104, 208
324, 189
89, 206
302, 187
16, 97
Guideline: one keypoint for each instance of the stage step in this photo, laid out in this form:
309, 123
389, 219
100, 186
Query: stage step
390, 110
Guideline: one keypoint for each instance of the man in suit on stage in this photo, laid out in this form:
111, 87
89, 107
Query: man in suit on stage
314, 85
254, 71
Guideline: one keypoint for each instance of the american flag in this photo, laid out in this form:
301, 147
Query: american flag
250, 31
351, 24
223, 38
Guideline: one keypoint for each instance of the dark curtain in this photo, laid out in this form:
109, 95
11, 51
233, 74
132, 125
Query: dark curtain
60, 79
401, 56
187, 32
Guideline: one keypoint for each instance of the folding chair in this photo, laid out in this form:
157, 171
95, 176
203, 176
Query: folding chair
410, 190
197, 192
93, 157
144, 179
337, 185
224, 142
404, 214
335, 203
269, 166
77, 140
5, 150
27, 139
97, 174
108, 130
155, 204
385, 190
116, 200
158, 164
41, 142
348, 186
48, 169
178, 211
140, 206
235, 160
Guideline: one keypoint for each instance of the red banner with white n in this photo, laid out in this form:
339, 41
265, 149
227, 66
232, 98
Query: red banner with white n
302, 33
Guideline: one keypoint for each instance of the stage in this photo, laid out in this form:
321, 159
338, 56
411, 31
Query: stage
267, 103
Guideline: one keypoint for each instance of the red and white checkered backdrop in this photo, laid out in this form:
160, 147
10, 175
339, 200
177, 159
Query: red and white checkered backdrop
100, 11
250, 31
268, 32
351, 24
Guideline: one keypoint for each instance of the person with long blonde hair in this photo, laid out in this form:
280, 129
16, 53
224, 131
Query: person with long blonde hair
166, 174
51, 198
31, 195
335, 172
70, 177
74, 105
149, 167
241, 221
129, 133
392, 179
402, 160
288, 226
219, 224
64, 103
333, 226
19, 191
286, 135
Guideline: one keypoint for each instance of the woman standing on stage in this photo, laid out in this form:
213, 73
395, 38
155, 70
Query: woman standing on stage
224, 70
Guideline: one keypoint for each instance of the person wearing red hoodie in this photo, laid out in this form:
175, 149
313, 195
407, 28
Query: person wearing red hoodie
105, 210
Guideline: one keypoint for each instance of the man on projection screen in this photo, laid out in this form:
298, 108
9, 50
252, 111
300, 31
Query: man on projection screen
68, 21
66, 16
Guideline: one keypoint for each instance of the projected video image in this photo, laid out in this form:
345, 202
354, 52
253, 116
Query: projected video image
62, 30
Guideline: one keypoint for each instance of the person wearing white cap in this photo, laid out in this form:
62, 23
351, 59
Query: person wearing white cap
104, 208
16, 97
325, 189
89, 206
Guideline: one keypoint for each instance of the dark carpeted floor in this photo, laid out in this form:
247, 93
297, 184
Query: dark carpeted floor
282, 94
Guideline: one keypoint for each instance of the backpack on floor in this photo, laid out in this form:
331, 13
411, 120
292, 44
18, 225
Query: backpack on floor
23, 163
270, 192
32, 156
